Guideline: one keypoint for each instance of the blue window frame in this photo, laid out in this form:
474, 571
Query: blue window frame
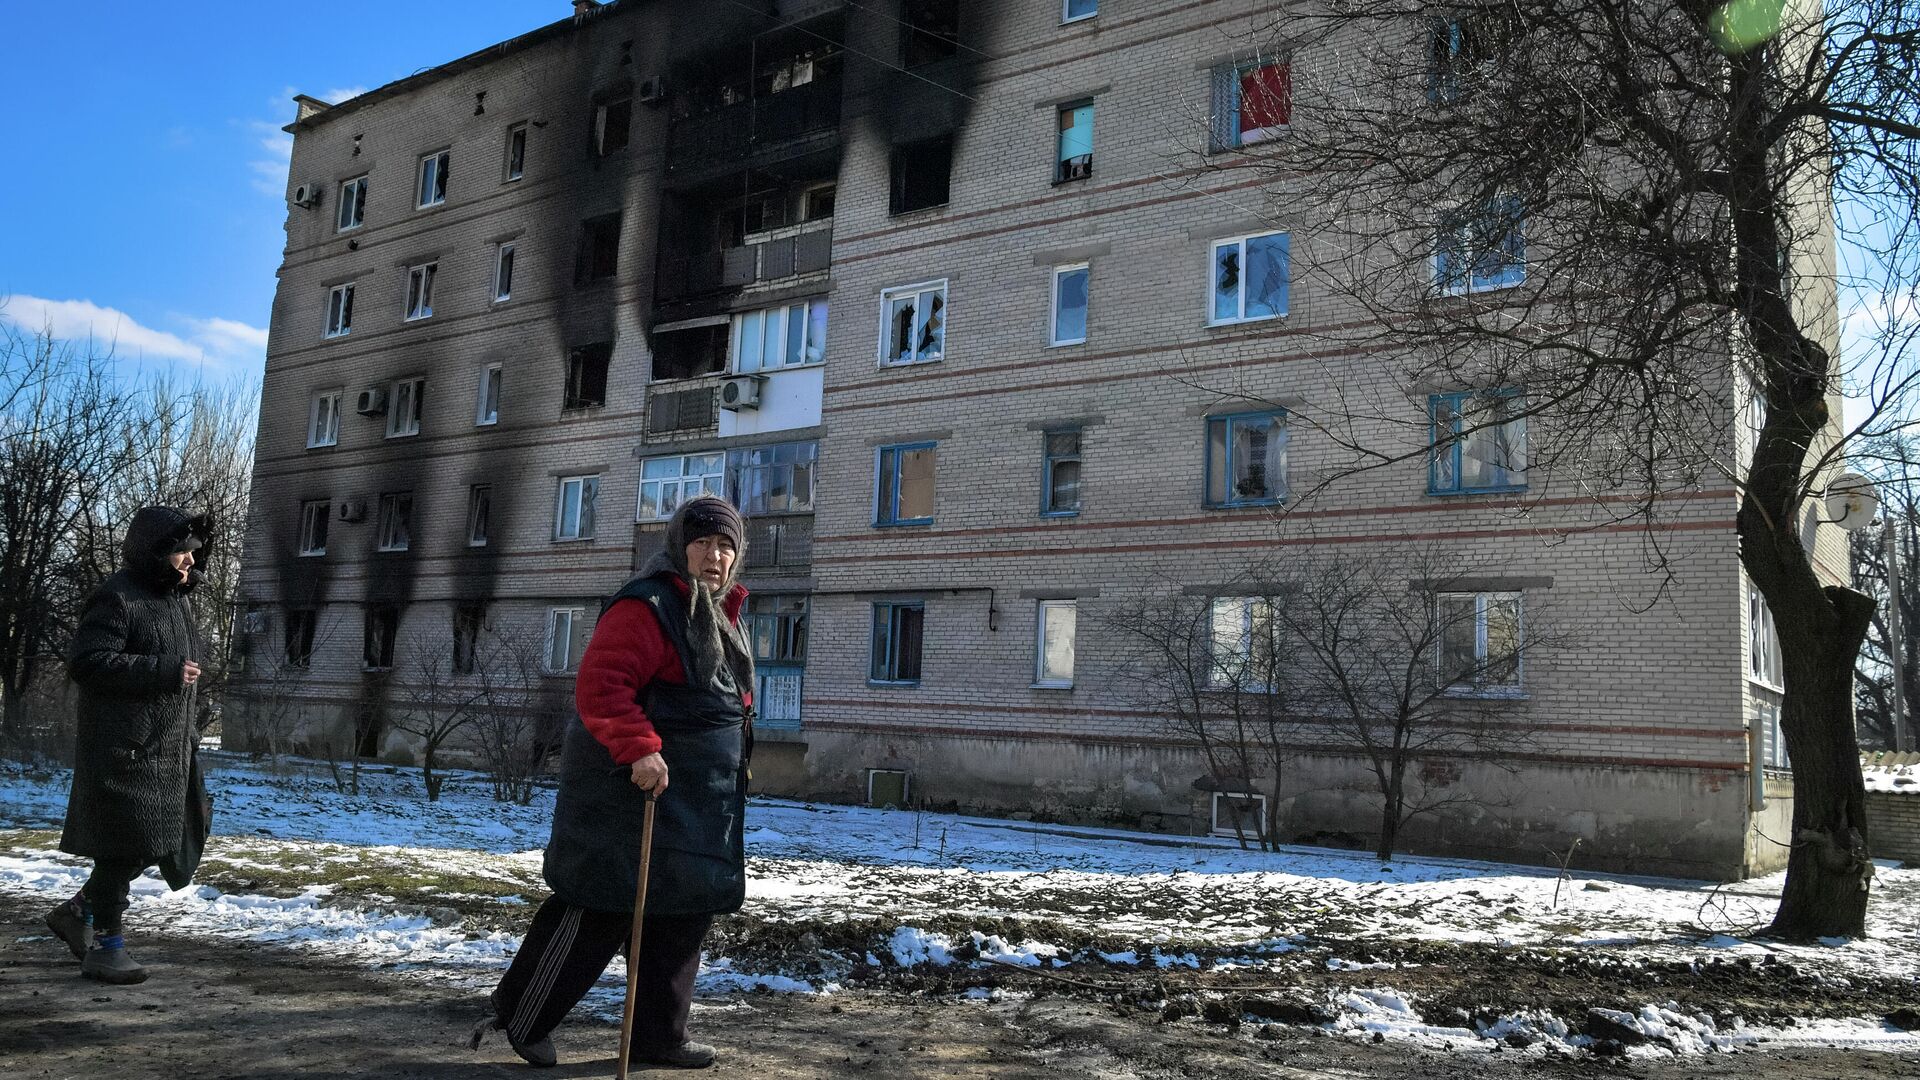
1249, 278
1482, 248
1478, 441
897, 637
1074, 156
903, 484
1060, 478
1247, 459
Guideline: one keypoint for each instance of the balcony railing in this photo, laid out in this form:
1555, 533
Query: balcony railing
739, 131
683, 275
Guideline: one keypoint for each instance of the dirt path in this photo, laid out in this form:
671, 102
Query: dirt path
215, 1010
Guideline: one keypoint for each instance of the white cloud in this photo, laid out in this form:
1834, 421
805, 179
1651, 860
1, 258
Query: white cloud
214, 341
338, 95
270, 172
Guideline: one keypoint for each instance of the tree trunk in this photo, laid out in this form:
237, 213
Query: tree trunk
13, 717
1389, 827
1829, 868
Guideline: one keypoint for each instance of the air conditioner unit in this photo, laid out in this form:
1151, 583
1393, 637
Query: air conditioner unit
653, 90
741, 392
371, 402
306, 195
352, 509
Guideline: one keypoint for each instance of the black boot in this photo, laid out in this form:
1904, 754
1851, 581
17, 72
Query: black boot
69, 924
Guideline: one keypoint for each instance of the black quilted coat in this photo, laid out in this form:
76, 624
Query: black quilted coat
138, 796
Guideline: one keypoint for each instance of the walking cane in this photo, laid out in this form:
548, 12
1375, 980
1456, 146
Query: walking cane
633, 940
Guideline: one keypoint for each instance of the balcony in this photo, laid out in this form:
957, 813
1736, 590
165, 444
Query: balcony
731, 269
749, 133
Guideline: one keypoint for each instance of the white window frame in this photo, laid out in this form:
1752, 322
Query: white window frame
1773, 741
572, 620
811, 353
1213, 272
1067, 16
338, 321
686, 484
1217, 829
516, 131
1041, 680
357, 202
1483, 601
1238, 648
582, 493
491, 378
430, 179
918, 290
1054, 340
503, 261
309, 511
420, 280
1459, 224
473, 517
1763, 643
383, 535
323, 418
405, 423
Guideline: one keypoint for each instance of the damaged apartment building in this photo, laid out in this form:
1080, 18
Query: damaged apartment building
912, 283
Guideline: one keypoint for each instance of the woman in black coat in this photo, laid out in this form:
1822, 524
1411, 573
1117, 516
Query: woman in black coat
138, 799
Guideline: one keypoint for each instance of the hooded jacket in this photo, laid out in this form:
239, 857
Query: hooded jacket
137, 792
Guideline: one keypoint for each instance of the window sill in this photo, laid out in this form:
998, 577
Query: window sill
495, 422
475, 545
1063, 181
323, 446
911, 211
911, 523
1247, 504
1059, 513
1079, 19
1763, 684
1454, 493
498, 301
335, 337
1442, 293
390, 551
1051, 686
1487, 694
1222, 324
573, 540
411, 319
1066, 344
766, 371
402, 435
312, 554
349, 229
882, 685
581, 410
430, 206
912, 363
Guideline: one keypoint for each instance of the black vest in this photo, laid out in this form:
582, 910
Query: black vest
699, 858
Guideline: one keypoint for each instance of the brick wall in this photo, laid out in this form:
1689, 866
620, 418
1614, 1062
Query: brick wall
1894, 818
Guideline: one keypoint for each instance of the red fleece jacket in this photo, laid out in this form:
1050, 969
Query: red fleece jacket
628, 651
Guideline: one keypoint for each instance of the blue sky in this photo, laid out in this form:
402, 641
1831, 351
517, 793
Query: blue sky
145, 194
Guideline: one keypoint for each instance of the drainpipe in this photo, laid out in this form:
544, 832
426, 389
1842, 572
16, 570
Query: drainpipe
1756, 764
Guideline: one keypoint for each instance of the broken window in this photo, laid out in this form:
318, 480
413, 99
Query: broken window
503, 273
921, 174
574, 507
1251, 102
1060, 474
434, 169
339, 311
486, 408
323, 418
468, 621
1481, 249
420, 290
1250, 278
599, 256
516, 151
1075, 146
777, 479
819, 202
611, 120
396, 521
382, 626
314, 518
690, 351
1479, 442
587, 375
300, 626
353, 204
1479, 641
1069, 305
930, 31
904, 487
479, 515
405, 399
897, 637
913, 326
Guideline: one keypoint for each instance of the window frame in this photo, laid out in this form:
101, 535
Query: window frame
1280, 417
1285, 302
1041, 681
338, 322
892, 518
1764, 658
1215, 828
479, 515
883, 669
810, 356
737, 466
1483, 604
516, 133
585, 507
575, 616
395, 525
406, 426
1229, 103
319, 438
1067, 17
573, 393
1456, 447
1458, 225
357, 202
492, 377
1064, 171
1054, 340
310, 510
680, 482
380, 613
918, 289
1047, 460
602, 111
420, 280
503, 259
1219, 678
442, 167
469, 622
299, 626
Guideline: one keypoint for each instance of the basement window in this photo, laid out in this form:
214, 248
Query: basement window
587, 375
1237, 813
922, 172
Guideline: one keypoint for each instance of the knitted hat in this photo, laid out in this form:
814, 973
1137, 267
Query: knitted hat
708, 515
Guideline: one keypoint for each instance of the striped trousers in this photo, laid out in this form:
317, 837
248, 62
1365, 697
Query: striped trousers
568, 948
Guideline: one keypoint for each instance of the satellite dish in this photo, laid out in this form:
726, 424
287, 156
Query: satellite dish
1852, 501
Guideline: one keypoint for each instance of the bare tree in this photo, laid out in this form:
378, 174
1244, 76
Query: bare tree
267, 716
1623, 215
518, 719
1895, 465
437, 702
61, 415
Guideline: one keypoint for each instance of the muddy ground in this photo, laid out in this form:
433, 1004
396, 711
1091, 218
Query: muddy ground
216, 1010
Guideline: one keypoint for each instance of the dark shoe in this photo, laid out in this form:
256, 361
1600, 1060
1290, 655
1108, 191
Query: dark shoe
112, 966
69, 926
538, 1053
688, 1055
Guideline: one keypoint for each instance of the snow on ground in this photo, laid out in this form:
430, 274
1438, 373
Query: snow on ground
1139, 899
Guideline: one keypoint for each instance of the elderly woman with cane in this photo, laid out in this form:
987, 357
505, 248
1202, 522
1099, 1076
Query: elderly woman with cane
664, 732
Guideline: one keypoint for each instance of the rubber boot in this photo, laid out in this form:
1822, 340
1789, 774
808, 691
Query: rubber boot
108, 962
69, 924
